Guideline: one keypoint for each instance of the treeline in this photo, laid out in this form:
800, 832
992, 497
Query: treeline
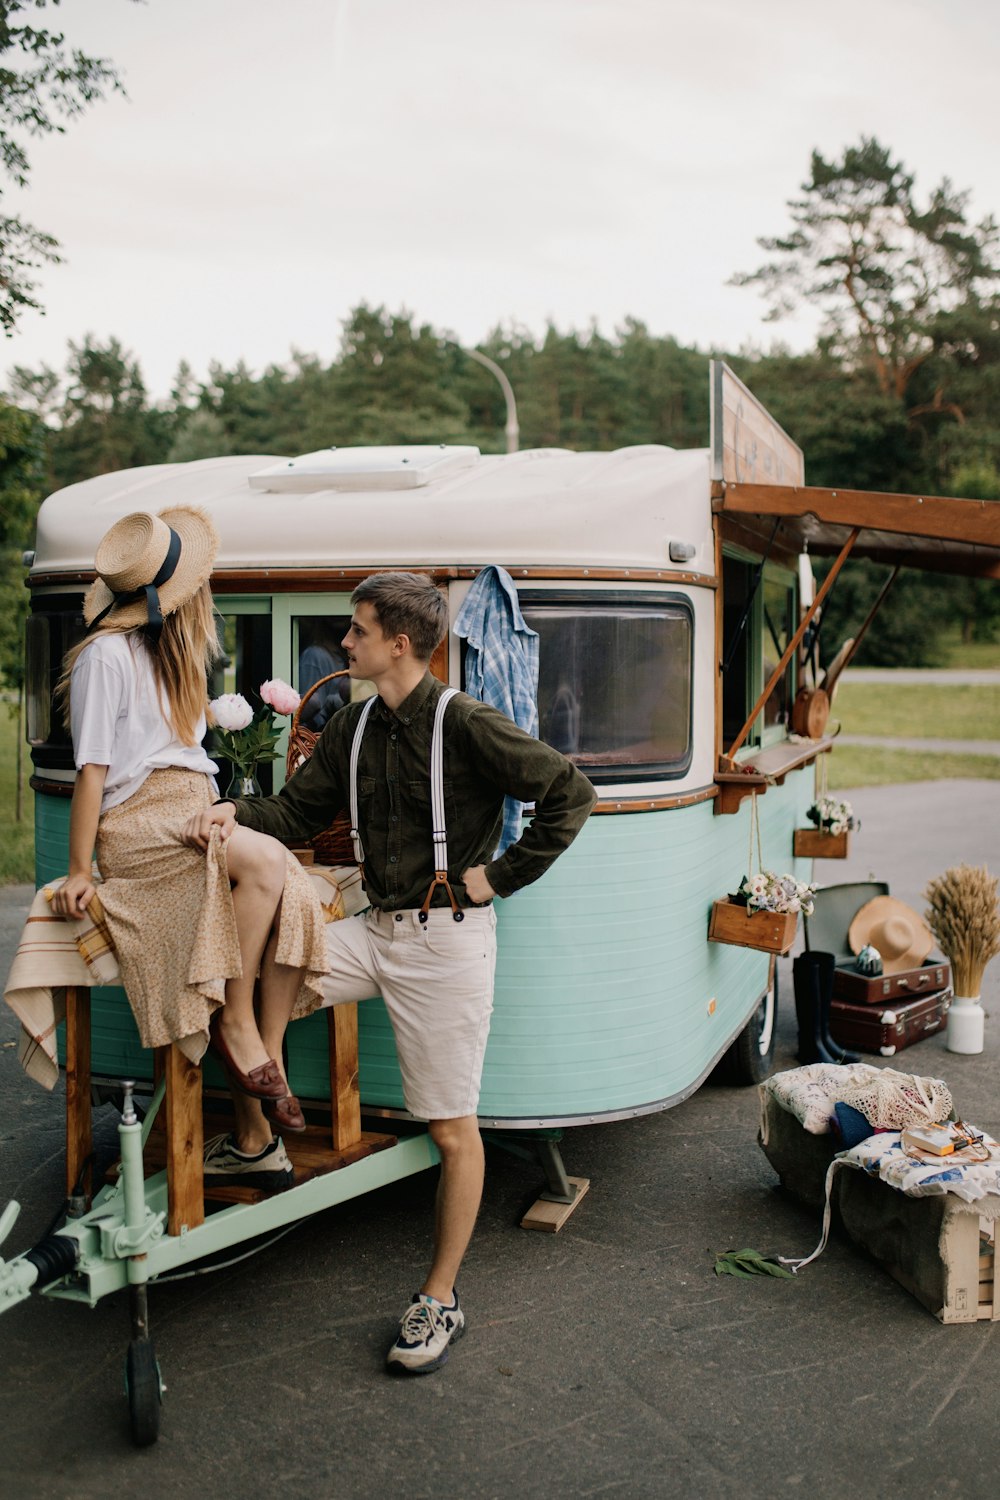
901, 392
397, 382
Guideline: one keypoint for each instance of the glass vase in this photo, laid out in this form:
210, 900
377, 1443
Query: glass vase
243, 786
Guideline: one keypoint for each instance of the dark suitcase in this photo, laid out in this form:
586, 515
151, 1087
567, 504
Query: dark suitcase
888, 1029
869, 989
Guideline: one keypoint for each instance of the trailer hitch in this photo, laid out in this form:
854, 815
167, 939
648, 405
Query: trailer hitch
53, 1257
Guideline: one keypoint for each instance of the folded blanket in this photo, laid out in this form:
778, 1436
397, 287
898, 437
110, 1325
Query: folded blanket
54, 952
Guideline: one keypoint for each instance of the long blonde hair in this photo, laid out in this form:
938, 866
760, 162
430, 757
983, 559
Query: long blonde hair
186, 649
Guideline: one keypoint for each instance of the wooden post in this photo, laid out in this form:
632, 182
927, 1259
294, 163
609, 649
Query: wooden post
185, 1144
79, 1131
345, 1094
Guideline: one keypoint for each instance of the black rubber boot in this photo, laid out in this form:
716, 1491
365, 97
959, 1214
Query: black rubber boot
826, 963
812, 1046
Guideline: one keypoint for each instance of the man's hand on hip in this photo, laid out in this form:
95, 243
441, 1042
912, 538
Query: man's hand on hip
198, 830
477, 886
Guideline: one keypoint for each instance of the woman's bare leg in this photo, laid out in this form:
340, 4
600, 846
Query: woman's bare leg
279, 988
257, 874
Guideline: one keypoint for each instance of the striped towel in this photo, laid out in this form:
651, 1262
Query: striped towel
54, 952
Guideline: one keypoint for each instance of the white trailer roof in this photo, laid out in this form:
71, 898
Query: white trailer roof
453, 507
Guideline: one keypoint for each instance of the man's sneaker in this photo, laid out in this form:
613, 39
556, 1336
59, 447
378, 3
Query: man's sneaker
225, 1166
425, 1331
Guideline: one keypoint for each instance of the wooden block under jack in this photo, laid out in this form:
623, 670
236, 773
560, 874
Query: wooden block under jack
551, 1217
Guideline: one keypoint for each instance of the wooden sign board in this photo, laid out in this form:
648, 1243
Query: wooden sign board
748, 446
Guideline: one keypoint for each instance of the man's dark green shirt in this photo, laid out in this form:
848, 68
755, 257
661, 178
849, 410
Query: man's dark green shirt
486, 757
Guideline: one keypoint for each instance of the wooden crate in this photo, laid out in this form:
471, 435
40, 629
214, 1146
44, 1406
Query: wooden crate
774, 932
814, 843
939, 1248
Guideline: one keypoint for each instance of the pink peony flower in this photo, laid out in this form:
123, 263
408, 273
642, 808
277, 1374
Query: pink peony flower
279, 696
231, 711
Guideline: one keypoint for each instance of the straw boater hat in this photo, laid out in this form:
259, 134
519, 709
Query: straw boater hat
148, 566
895, 929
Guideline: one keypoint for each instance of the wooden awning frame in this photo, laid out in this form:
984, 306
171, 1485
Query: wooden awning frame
936, 533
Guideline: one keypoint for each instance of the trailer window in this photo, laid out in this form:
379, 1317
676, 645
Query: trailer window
317, 654
614, 685
245, 663
54, 625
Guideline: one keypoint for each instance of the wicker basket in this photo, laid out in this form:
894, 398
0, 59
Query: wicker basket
333, 846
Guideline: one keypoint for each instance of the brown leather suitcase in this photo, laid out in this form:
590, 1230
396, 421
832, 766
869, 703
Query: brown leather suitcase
888, 1029
867, 989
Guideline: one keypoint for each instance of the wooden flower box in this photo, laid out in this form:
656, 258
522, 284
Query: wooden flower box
816, 843
772, 931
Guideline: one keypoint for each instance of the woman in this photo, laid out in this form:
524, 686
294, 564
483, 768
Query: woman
191, 929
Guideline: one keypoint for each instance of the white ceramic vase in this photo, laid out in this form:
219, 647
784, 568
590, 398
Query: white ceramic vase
966, 1024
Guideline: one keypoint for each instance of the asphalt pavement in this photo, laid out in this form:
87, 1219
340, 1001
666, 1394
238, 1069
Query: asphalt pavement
606, 1360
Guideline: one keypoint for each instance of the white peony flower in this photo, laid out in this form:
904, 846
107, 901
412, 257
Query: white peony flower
231, 711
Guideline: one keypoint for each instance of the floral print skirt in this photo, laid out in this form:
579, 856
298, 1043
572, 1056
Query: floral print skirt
170, 912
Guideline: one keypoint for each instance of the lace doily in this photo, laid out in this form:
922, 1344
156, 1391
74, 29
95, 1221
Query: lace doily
891, 1101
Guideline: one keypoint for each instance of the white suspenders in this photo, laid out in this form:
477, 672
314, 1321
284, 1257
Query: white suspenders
439, 831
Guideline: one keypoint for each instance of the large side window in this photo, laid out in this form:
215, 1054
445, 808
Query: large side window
614, 681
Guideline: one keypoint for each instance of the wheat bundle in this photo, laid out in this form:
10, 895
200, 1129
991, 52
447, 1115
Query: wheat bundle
964, 916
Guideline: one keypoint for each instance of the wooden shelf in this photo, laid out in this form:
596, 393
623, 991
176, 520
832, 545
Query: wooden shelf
765, 766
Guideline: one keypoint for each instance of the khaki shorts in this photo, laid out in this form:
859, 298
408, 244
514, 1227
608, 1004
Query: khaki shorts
436, 979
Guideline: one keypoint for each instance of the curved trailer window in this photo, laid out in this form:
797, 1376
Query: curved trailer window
614, 682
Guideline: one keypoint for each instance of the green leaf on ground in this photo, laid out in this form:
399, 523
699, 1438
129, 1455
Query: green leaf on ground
748, 1263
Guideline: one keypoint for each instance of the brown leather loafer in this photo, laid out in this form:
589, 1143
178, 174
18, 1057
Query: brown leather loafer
285, 1112
264, 1082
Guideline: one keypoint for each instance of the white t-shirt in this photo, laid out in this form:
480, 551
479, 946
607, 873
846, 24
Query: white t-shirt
117, 719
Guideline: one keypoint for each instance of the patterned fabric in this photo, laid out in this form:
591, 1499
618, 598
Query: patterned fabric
811, 1092
169, 909
882, 1156
501, 664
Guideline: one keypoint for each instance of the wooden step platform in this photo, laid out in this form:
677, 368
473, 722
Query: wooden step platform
310, 1152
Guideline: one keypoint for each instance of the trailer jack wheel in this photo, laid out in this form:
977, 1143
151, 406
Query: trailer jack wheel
144, 1390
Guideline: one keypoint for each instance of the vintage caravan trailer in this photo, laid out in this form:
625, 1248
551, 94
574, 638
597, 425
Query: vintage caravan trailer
610, 1001
669, 597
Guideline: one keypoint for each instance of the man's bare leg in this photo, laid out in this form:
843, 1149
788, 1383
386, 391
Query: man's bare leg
460, 1192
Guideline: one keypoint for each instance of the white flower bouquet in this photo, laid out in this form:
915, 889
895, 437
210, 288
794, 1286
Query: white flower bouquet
832, 816
245, 737
765, 891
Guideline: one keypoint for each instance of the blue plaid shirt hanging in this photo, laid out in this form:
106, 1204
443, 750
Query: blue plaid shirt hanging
501, 664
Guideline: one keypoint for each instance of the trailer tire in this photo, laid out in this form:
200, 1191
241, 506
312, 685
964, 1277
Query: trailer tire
143, 1388
751, 1055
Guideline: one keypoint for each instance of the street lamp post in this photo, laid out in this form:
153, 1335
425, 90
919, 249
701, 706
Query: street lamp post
511, 429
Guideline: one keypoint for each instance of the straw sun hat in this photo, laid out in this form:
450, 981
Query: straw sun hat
895, 929
148, 566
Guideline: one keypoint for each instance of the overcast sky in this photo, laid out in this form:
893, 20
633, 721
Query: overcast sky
474, 161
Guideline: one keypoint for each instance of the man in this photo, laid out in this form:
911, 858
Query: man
428, 942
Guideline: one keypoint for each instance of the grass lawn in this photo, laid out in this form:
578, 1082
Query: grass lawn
970, 655
865, 765
17, 839
962, 712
